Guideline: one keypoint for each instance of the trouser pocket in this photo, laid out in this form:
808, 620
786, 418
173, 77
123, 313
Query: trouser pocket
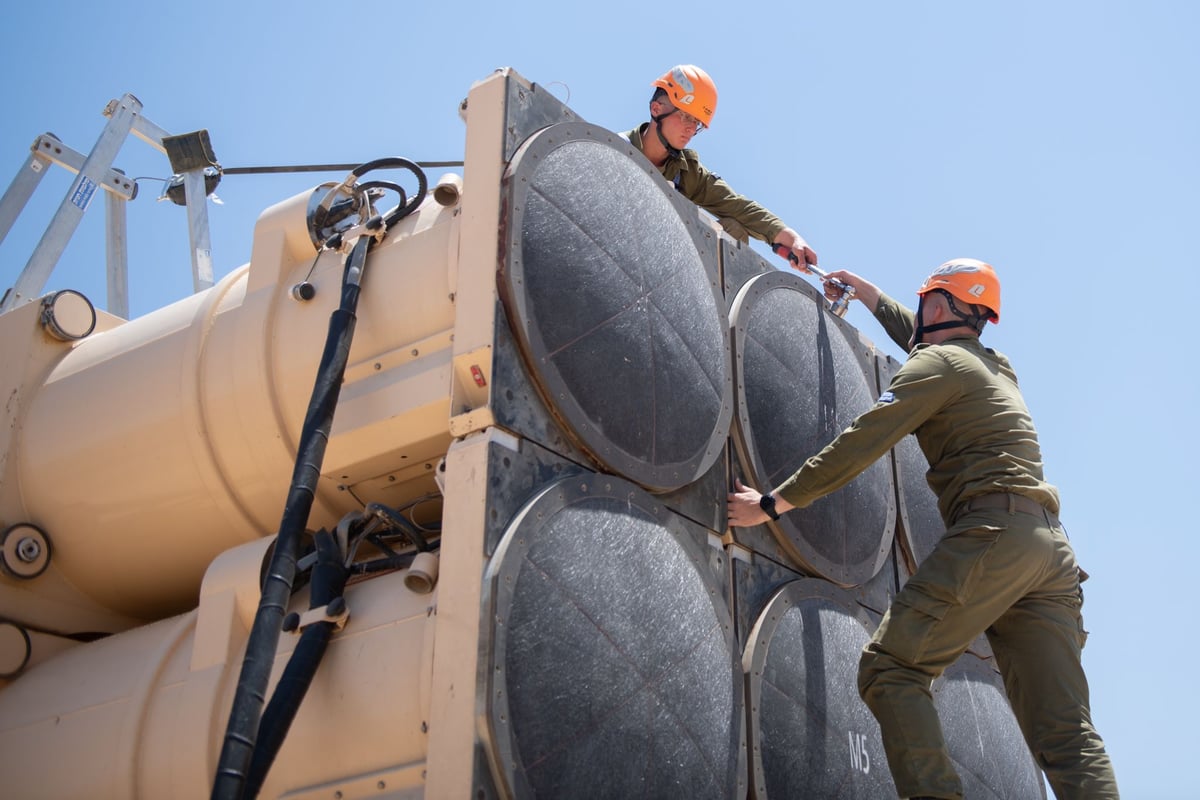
932, 618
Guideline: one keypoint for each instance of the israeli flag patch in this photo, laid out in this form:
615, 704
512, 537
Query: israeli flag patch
887, 397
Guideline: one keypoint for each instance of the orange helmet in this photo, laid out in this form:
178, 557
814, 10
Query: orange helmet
969, 280
691, 90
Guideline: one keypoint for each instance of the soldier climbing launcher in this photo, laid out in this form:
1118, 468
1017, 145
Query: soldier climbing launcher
553, 377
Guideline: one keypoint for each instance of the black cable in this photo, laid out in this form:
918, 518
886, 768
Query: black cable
238, 751
242, 730
328, 582
395, 162
386, 564
366, 186
391, 185
398, 521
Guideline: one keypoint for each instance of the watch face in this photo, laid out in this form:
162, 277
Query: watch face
767, 504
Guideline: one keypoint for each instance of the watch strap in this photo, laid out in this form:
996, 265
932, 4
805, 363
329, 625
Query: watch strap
767, 504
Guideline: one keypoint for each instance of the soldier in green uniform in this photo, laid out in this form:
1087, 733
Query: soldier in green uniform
1004, 566
684, 103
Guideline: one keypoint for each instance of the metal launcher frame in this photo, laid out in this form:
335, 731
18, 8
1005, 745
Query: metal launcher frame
558, 367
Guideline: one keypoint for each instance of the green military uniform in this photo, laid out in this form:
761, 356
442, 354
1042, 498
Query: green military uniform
1004, 567
740, 216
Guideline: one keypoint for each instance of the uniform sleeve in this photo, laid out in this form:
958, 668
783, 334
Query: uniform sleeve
923, 385
714, 195
897, 320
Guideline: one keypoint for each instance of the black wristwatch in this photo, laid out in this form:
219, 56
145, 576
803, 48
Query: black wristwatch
767, 504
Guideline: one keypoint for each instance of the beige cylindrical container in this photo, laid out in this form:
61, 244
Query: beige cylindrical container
143, 713
180, 428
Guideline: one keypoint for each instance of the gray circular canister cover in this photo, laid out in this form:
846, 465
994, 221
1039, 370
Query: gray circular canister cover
612, 291
613, 668
800, 382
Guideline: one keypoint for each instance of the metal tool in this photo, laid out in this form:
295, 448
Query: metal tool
836, 307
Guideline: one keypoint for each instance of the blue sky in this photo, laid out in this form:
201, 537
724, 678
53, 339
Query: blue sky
1056, 140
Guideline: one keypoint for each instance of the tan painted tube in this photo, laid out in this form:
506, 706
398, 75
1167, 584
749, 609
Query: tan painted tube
179, 428
141, 713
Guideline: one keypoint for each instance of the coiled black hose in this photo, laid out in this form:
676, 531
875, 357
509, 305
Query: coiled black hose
241, 733
242, 730
406, 207
328, 582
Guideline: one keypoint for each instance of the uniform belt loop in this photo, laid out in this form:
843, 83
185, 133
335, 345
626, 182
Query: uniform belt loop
1011, 502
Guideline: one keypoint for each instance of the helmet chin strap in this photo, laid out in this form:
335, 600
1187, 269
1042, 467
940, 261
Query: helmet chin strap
974, 322
672, 151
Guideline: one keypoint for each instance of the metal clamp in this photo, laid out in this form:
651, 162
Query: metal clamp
336, 612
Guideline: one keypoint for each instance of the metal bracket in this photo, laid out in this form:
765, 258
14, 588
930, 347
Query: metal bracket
95, 171
336, 612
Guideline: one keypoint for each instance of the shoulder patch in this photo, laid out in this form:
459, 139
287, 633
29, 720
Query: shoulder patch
887, 397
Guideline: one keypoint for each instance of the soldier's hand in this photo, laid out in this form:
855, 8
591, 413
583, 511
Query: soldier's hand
743, 507
791, 245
